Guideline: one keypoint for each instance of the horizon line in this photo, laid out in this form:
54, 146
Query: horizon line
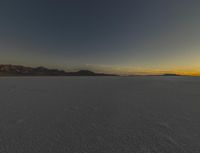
152, 72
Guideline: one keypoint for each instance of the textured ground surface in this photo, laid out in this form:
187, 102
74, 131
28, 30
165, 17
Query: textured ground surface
100, 115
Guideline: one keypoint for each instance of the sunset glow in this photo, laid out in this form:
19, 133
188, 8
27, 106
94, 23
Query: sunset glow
135, 37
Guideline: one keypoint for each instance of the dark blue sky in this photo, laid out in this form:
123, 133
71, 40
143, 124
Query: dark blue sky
118, 35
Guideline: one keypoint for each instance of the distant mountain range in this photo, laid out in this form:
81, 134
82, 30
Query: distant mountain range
17, 70
171, 74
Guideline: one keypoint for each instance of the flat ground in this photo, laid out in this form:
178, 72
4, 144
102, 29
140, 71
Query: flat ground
99, 115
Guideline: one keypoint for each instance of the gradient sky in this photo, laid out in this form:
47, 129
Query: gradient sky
120, 36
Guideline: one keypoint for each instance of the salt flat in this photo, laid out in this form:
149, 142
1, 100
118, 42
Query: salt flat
99, 115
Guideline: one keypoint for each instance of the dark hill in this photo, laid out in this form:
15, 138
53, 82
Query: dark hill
170, 74
17, 70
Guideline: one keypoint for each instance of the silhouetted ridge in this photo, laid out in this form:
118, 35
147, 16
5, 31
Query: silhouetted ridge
170, 74
17, 70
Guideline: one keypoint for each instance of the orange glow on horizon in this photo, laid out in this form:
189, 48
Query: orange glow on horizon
150, 71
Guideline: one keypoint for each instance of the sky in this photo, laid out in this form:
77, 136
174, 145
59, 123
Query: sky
112, 36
